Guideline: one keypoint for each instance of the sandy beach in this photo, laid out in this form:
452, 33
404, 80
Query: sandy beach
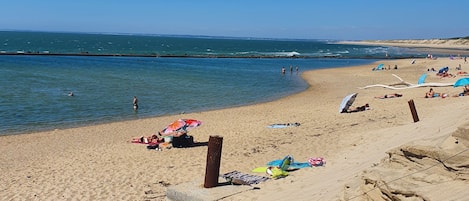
377, 154
432, 46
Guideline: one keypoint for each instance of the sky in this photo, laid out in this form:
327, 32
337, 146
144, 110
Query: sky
302, 19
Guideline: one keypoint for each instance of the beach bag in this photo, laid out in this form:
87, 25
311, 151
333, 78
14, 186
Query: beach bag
183, 141
316, 161
153, 146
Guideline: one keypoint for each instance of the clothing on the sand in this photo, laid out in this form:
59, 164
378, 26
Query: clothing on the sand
237, 177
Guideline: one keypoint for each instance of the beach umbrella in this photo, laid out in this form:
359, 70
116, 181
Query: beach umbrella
422, 78
461, 82
347, 102
444, 69
180, 125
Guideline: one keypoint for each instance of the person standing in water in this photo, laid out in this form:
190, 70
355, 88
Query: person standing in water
135, 102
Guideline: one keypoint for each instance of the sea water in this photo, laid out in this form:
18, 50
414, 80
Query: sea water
34, 88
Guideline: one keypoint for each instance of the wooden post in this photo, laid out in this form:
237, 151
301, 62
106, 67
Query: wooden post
413, 110
212, 170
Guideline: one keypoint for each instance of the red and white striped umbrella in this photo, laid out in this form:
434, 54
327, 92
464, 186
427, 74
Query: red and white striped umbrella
180, 125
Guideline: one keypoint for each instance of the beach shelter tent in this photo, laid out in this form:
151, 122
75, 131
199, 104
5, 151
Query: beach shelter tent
379, 67
461, 82
422, 78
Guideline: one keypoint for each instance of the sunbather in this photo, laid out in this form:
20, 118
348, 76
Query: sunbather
389, 96
465, 91
360, 108
433, 94
154, 139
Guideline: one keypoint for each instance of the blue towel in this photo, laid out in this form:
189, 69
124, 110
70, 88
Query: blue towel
294, 165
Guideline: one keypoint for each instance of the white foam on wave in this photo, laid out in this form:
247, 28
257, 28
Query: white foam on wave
285, 54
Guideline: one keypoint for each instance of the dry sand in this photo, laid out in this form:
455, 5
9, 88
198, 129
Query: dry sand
378, 154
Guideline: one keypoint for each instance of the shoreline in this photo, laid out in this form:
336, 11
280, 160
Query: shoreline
72, 163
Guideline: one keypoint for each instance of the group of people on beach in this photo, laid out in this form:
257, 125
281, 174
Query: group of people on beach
432, 94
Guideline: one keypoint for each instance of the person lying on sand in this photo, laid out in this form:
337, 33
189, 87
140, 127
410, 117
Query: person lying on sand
445, 74
433, 94
154, 139
359, 109
389, 96
465, 92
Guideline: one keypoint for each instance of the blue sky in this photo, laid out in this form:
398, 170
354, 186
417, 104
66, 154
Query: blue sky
334, 19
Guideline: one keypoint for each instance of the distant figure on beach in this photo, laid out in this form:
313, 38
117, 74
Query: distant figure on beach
297, 70
433, 94
135, 102
389, 96
154, 139
283, 70
70, 94
291, 69
358, 109
465, 91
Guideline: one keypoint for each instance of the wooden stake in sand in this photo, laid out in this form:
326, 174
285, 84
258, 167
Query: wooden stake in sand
413, 110
212, 170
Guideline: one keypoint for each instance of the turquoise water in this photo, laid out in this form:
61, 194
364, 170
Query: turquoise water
33, 93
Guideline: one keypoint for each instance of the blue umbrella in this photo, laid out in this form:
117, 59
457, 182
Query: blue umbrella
444, 69
461, 82
422, 78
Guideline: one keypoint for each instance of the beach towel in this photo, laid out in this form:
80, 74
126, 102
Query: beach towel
237, 177
294, 165
283, 125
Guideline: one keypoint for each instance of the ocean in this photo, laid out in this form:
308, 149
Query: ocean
168, 75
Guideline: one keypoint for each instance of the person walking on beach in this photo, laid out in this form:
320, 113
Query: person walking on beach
283, 70
297, 70
135, 102
291, 69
